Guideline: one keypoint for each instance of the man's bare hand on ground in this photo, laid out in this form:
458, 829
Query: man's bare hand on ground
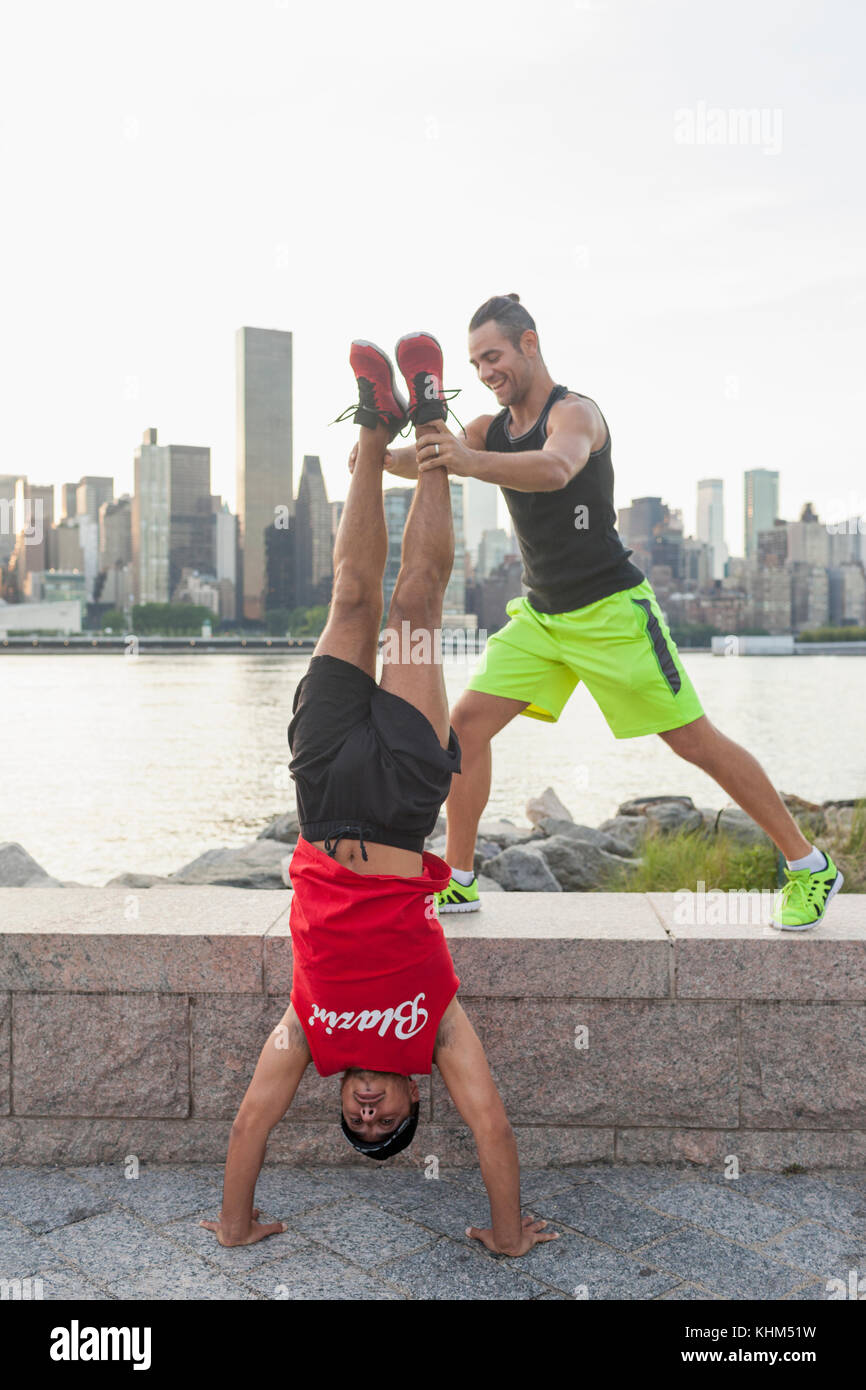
532, 1235
453, 453
256, 1231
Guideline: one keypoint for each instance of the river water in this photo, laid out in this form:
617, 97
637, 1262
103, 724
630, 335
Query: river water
114, 763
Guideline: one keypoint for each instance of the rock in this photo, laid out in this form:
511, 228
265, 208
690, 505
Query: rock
489, 885
18, 869
667, 815
733, 821
134, 880
435, 845
579, 866
628, 831
255, 865
672, 818
521, 869
503, 833
285, 828
810, 817
839, 820
484, 849
552, 826
545, 806
639, 805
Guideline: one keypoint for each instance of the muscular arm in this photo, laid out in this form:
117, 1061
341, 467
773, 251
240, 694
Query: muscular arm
282, 1062
403, 462
463, 1066
573, 428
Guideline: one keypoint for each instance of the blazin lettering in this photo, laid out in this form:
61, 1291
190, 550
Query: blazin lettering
408, 1018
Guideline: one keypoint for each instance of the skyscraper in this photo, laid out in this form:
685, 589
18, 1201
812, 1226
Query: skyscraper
397, 501
313, 531
8, 486
191, 537
264, 450
711, 522
481, 512
90, 494
760, 506
454, 600
151, 520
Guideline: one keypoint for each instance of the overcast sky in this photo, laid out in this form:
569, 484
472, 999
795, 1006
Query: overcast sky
176, 168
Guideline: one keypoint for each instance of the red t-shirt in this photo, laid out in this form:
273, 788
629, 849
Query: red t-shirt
372, 971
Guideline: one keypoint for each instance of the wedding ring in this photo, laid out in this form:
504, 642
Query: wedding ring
437, 450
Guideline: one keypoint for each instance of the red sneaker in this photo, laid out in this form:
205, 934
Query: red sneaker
379, 401
419, 358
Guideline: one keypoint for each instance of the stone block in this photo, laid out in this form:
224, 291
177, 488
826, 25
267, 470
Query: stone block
100, 1055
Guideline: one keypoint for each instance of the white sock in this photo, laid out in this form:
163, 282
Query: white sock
815, 860
464, 876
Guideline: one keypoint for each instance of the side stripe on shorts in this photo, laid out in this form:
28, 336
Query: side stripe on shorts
660, 646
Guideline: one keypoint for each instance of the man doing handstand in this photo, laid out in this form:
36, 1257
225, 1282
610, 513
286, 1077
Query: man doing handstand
374, 989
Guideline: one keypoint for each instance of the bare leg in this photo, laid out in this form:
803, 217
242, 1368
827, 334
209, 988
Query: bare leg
360, 550
743, 778
415, 615
477, 718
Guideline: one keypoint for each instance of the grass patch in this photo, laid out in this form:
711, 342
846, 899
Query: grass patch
673, 862
855, 845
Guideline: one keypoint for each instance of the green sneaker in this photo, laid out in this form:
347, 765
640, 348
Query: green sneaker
459, 897
802, 903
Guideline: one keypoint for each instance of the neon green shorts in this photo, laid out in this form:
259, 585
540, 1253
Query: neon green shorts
620, 647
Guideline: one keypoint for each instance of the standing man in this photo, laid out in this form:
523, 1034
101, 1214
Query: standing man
589, 615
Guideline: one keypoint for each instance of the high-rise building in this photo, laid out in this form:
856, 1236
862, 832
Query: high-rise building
397, 501
264, 451
115, 582
772, 549
68, 500
115, 533
191, 527
281, 564
33, 514
454, 599
492, 550
8, 485
481, 512
66, 547
639, 524
90, 494
760, 506
711, 522
151, 521
808, 539
770, 600
315, 545
810, 595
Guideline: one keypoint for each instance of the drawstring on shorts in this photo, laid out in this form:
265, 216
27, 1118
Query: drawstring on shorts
332, 840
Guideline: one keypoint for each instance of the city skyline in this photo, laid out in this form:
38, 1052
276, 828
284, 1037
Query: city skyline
708, 296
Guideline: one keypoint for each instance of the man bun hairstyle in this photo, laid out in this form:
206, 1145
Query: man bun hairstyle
507, 311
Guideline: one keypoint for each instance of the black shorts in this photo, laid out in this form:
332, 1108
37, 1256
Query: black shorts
366, 763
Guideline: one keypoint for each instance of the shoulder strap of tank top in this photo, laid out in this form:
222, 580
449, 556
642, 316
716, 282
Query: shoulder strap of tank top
497, 420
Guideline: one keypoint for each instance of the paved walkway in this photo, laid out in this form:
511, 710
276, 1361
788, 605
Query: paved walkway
633, 1232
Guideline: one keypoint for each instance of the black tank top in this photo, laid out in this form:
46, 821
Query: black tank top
571, 552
